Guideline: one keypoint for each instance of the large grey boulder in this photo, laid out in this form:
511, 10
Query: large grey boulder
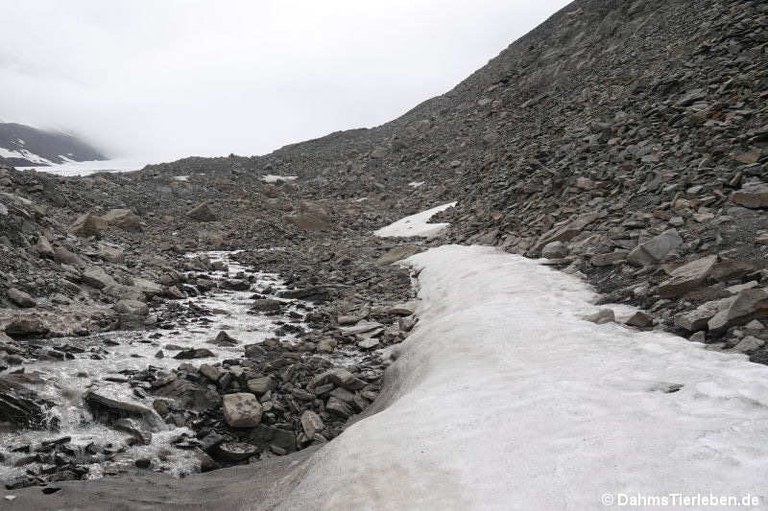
687, 277
95, 276
242, 410
655, 249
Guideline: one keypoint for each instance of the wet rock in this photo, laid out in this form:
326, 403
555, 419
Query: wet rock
687, 277
267, 305
193, 353
135, 429
131, 308
21, 407
361, 328
107, 406
655, 249
236, 284
338, 408
242, 410
21, 298
189, 395
224, 339
235, 451
202, 213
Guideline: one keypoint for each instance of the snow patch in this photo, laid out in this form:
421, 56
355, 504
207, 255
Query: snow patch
504, 398
415, 184
25, 154
272, 178
415, 225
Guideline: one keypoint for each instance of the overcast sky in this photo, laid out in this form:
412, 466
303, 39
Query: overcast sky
160, 79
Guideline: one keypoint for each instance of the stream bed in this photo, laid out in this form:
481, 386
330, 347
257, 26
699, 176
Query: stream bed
104, 365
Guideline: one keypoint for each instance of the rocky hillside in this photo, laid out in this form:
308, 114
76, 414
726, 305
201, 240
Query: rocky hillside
623, 141
24, 146
610, 129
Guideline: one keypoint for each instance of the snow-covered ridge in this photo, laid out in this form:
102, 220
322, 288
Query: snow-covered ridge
505, 398
27, 146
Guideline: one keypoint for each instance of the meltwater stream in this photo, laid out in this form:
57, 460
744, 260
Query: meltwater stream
103, 361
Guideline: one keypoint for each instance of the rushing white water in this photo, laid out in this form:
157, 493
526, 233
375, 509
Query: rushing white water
111, 355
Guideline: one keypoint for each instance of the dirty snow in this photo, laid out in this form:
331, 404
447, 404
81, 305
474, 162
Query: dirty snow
84, 168
272, 178
505, 398
415, 225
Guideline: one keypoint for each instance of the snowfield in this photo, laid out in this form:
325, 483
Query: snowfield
504, 398
415, 225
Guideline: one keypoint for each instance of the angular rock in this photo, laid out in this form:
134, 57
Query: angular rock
131, 308
751, 195
339, 377
235, 451
261, 386
21, 298
224, 339
26, 325
640, 320
311, 423
567, 231
242, 410
687, 277
697, 319
267, 305
554, 250
43, 248
88, 225
107, 406
749, 343
748, 305
602, 317
189, 395
655, 249
123, 219
95, 276
194, 353
202, 213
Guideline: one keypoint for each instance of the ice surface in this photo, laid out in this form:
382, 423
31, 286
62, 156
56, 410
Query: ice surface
415, 225
84, 168
504, 398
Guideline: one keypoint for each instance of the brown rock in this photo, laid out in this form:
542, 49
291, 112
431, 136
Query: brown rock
687, 277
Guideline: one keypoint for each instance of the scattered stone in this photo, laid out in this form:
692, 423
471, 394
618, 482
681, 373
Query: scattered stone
640, 320
687, 277
311, 423
242, 410
751, 195
193, 353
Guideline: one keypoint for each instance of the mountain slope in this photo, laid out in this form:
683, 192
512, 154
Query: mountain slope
24, 146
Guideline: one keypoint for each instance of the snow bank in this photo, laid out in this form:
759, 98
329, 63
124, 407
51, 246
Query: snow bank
504, 398
84, 168
272, 178
415, 225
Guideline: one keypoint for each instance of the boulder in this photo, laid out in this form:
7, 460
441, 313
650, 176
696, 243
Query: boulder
131, 308
43, 248
242, 410
21, 407
751, 195
26, 325
95, 276
554, 250
748, 305
640, 320
21, 298
148, 287
111, 253
267, 305
88, 225
123, 219
655, 249
189, 395
697, 319
202, 213
687, 277
749, 343
224, 339
107, 406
